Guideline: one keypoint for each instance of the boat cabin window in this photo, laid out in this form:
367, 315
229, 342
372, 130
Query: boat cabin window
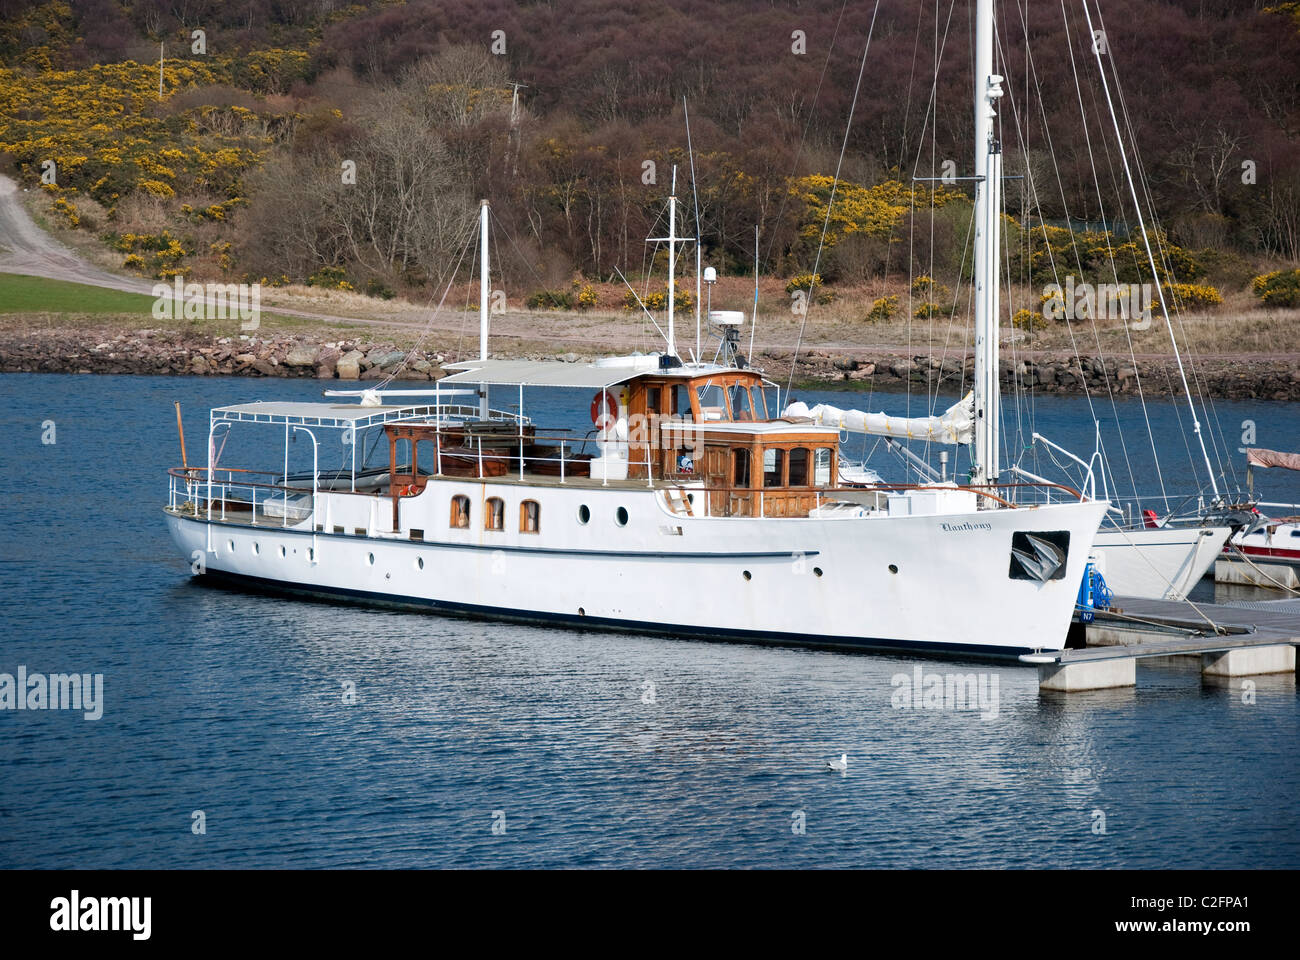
741, 409
822, 466
713, 402
530, 517
653, 397
773, 467
798, 467
460, 511
740, 467
494, 514
681, 401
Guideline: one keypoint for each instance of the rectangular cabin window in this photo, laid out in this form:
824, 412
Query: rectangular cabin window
494, 514
713, 402
652, 399
681, 401
773, 467
741, 408
821, 467
460, 511
740, 467
530, 517
799, 467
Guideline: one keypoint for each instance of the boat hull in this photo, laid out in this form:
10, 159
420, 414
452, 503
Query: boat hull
919, 582
1163, 563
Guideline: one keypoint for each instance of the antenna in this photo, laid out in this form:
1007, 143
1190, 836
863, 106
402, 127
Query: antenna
695, 196
672, 240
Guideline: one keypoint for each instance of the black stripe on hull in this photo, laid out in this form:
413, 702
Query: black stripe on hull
605, 624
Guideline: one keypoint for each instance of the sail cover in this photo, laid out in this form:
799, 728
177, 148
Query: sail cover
954, 425
1258, 457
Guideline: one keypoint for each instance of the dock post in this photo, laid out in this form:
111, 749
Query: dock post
1249, 661
1088, 675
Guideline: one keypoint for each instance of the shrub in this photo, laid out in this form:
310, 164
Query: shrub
883, 309
1281, 288
330, 278
1028, 320
1192, 295
377, 288
550, 300
926, 287
586, 297
804, 282
928, 311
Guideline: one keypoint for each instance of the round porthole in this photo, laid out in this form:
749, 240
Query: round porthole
230, 545
747, 575
419, 563
311, 554
370, 557
584, 514
282, 550
817, 571
620, 517
893, 569
257, 549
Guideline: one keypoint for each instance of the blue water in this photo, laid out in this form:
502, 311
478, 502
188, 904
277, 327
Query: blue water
232, 704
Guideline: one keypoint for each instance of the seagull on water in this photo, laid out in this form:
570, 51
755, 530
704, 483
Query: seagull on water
839, 766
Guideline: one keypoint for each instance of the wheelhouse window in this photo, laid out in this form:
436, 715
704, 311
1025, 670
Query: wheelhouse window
799, 467
773, 467
681, 401
460, 511
822, 466
530, 517
740, 468
494, 514
713, 402
741, 408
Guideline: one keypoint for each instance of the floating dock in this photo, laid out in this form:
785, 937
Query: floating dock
1232, 640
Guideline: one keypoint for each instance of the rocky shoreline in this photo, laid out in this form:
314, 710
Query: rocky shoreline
169, 352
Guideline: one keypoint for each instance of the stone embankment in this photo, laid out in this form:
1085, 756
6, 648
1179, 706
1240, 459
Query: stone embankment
170, 352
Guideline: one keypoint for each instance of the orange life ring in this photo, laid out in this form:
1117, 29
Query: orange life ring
606, 401
409, 490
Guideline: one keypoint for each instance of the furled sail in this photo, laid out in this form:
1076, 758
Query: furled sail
1258, 457
955, 425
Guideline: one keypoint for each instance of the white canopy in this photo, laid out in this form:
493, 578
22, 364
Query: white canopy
542, 373
956, 425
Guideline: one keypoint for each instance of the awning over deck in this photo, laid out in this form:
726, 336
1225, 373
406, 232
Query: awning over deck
547, 373
320, 414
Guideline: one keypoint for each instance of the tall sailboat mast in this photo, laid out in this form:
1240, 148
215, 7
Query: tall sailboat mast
483, 293
988, 208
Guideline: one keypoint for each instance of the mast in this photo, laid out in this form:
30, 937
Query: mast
483, 300
672, 240
988, 208
672, 262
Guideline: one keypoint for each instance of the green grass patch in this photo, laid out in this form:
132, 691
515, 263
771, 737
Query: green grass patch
23, 294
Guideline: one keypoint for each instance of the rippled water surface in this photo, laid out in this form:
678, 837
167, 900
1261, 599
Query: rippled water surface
232, 703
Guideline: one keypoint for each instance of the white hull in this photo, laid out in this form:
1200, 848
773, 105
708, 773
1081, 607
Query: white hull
1163, 563
821, 581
